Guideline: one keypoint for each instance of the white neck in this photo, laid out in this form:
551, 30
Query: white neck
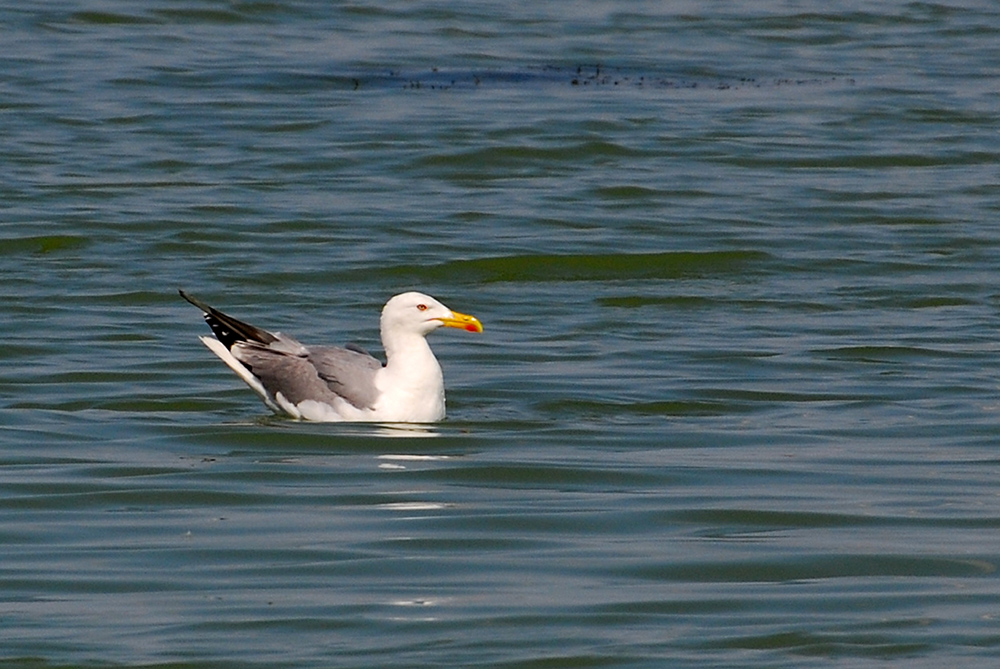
411, 382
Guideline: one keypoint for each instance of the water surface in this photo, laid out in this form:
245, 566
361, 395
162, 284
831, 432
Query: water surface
735, 404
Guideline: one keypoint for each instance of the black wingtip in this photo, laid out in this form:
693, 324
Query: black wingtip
194, 300
227, 329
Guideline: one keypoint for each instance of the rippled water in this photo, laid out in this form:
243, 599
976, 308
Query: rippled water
736, 400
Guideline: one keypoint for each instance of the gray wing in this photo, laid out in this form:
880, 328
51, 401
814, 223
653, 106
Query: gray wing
317, 373
349, 372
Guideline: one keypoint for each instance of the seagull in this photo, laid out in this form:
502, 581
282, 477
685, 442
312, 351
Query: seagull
330, 383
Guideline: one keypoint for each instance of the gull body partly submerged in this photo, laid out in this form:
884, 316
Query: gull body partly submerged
330, 383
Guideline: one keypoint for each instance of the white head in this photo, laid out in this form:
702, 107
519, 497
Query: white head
416, 313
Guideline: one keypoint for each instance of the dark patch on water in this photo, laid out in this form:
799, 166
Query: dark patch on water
596, 76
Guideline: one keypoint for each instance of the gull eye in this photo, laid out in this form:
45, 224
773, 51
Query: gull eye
421, 307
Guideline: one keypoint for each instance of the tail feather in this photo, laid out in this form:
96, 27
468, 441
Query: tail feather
216, 347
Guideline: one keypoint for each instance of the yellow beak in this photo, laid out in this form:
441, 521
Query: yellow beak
462, 322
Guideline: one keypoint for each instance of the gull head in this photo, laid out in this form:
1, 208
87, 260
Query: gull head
421, 314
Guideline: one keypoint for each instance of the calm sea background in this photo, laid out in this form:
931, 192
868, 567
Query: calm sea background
737, 400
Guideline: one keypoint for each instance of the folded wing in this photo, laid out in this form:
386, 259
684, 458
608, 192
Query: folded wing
321, 375
287, 368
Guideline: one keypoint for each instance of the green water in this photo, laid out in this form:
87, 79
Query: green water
736, 400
